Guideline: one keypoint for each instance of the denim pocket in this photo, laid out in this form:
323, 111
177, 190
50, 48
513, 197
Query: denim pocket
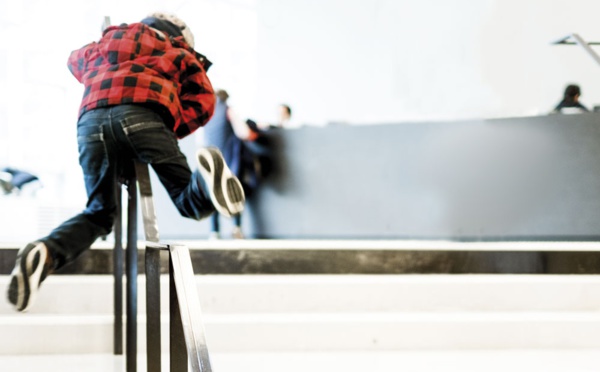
92, 149
150, 139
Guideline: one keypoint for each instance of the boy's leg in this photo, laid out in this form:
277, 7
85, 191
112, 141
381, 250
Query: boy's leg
76, 235
185, 188
97, 156
39, 259
200, 193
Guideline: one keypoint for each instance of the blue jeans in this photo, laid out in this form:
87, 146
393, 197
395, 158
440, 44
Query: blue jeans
109, 139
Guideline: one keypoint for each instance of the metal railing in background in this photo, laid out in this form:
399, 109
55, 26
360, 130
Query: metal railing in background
575, 39
188, 349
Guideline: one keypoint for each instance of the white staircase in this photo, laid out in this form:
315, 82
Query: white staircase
327, 313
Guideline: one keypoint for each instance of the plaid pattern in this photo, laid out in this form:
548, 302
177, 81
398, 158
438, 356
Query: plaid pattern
136, 64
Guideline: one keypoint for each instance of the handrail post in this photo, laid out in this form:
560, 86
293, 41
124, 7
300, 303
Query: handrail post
188, 303
131, 272
152, 268
118, 275
178, 357
187, 342
153, 328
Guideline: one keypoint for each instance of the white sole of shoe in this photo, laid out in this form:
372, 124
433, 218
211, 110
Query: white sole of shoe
28, 276
225, 190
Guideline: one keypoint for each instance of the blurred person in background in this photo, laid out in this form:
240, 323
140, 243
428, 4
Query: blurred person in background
227, 131
284, 119
570, 103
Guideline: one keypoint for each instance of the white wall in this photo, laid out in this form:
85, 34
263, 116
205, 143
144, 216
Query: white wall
356, 61
39, 98
395, 60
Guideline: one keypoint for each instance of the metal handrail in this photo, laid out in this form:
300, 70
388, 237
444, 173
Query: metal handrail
186, 296
131, 271
188, 349
118, 276
187, 336
575, 39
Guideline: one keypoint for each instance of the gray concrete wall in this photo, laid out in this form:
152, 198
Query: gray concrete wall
520, 178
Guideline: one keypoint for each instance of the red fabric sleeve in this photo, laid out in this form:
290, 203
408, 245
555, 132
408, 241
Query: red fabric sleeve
77, 60
196, 96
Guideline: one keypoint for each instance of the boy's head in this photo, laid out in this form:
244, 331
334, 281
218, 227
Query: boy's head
171, 25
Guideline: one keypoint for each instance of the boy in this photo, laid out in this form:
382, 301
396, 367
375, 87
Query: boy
145, 86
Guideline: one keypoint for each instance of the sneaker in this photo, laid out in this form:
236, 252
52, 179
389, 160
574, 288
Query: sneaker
33, 265
226, 192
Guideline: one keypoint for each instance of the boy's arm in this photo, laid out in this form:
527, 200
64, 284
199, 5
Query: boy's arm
76, 62
197, 99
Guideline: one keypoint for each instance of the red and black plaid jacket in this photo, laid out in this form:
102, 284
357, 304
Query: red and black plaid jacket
136, 64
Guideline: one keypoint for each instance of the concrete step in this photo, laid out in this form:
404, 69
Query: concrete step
276, 313
89, 334
374, 257
546, 360
248, 294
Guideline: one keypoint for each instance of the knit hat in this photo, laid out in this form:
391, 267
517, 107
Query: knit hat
170, 24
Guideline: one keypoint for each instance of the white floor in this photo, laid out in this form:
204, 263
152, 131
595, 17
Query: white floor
409, 361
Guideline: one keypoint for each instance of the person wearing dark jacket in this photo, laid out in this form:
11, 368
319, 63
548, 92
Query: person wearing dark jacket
144, 87
227, 131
